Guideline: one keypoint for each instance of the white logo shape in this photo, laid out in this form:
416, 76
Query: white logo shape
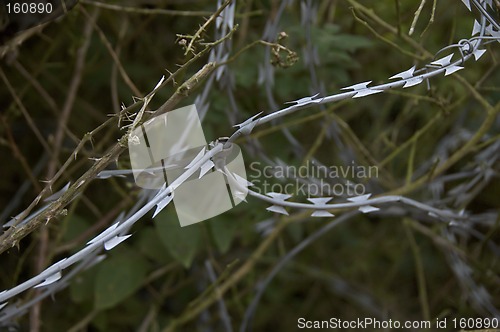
164, 147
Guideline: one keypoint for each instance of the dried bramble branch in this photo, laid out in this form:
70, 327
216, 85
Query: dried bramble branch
14, 234
56, 209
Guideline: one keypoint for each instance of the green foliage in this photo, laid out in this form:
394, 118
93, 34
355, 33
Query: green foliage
181, 242
223, 230
117, 278
151, 246
82, 288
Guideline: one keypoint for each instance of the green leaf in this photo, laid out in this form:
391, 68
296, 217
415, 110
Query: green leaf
82, 285
150, 245
74, 226
117, 278
181, 242
222, 229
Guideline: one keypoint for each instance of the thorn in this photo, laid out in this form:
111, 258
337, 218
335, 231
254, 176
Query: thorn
2, 305
58, 194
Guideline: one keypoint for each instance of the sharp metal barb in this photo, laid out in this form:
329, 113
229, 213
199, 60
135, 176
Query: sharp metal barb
50, 280
242, 181
196, 159
279, 196
368, 209
207, 166
478, 54
322, 214
443, 62
241, 195
356, 87
277, 209
305, 100
366, 92
248, 121
161, 205
320, 200
405, 74
99, 237
476, 29
57, 194
113, 242
413, 81
159, 82
452, 69
467, 4
361, 198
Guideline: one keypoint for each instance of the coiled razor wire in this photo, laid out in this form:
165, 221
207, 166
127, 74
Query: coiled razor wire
485, 31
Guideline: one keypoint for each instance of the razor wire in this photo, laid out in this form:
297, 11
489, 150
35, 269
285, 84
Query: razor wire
485, 31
